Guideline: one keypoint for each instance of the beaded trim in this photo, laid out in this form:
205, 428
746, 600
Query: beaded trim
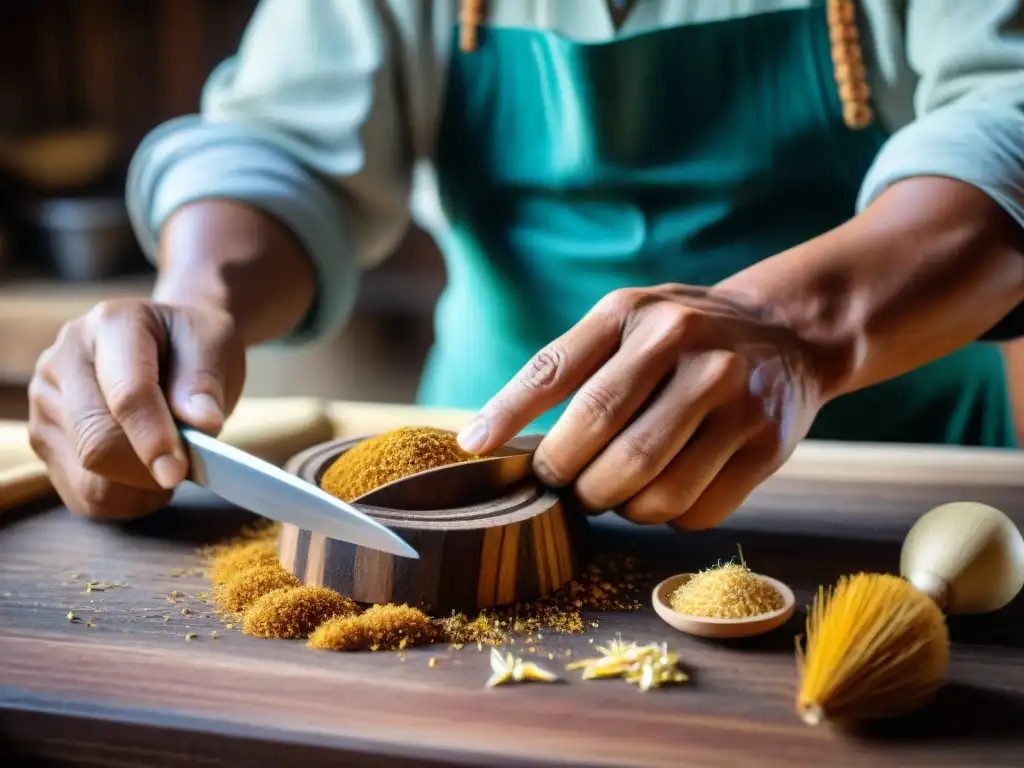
848, 64
471, 14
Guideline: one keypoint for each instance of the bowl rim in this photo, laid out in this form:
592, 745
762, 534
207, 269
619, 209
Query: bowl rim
788, 600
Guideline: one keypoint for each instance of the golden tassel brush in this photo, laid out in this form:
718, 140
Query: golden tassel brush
877, 645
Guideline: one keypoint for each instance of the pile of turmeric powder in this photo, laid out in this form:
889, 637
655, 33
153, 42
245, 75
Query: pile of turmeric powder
391, 456
250, 586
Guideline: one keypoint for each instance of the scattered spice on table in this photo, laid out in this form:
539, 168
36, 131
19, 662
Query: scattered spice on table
725, 591
560, 612
382, 459
243, 575
380, 628
294, 612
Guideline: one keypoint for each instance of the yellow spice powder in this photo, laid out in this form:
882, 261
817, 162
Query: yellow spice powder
381, 628
728, 591
247, 586
294, 612
385, 458
230, 560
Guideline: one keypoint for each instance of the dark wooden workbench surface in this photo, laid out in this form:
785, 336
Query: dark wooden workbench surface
130, 690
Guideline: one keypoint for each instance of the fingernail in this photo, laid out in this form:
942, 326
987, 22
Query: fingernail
203, 407
474, 437
168, 470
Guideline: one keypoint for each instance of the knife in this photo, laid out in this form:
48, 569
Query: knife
260, 487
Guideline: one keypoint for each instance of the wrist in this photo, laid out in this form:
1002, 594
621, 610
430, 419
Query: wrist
928, 268
811, 314
233, 258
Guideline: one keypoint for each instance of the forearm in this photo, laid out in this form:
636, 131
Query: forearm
930, 266
239, 259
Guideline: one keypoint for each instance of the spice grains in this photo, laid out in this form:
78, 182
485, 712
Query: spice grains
391, 456
728, 591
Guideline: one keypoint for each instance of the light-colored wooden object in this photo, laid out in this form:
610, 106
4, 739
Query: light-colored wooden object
272, 429
968, 557
894, 467
23, 483
519, 545
721, 629
817, 461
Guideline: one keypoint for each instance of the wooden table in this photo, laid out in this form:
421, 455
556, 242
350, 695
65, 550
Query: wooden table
131, 690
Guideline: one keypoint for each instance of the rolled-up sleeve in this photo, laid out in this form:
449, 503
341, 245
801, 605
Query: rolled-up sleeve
306, 123
969, 106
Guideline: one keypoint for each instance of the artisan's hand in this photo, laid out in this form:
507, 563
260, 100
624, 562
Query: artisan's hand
686, 401
104, 398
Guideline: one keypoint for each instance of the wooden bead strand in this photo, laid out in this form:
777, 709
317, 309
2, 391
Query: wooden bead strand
848, 64
471, 16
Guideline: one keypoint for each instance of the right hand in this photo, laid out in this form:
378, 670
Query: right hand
104, 398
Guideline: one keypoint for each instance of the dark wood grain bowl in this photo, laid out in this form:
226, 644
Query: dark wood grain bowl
518, 546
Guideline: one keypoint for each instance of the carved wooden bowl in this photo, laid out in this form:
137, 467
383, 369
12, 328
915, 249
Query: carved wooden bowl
523, 544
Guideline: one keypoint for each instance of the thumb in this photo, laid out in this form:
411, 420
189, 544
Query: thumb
206, 368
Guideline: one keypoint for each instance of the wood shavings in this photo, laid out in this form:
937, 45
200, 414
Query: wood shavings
646, 666
511, 669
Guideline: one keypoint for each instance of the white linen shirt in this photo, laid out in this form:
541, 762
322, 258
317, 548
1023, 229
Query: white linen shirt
328, 114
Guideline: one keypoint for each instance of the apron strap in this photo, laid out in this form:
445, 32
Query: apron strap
471, 16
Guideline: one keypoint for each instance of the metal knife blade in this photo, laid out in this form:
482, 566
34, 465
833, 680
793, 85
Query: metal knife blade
260, 487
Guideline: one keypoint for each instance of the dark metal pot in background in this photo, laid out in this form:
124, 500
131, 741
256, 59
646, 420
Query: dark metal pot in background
84, 239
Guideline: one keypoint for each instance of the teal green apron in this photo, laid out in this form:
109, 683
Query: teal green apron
568, 170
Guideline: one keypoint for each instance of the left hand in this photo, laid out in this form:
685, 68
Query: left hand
686, 402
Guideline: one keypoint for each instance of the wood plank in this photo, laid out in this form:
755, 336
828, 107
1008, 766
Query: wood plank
136, 678
32, 313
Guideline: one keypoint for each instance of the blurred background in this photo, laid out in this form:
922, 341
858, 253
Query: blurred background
81, 82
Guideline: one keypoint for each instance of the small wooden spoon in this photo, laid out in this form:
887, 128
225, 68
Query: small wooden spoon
721, 628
